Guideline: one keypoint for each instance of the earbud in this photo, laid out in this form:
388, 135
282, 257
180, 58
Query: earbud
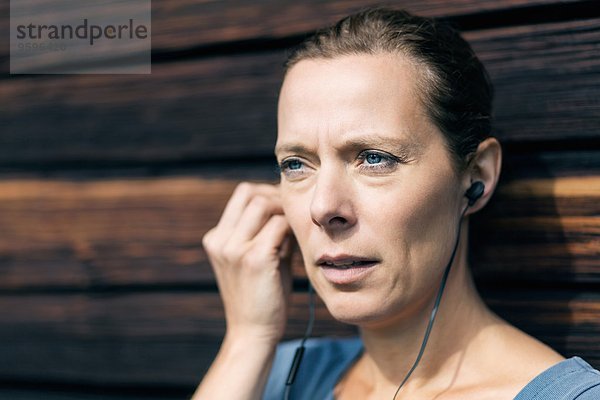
475, 192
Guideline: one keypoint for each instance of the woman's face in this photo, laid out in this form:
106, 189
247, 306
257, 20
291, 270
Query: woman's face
367, 177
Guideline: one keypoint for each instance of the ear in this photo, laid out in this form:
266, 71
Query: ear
484, 166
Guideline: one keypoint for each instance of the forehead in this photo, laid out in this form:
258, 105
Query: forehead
333, 98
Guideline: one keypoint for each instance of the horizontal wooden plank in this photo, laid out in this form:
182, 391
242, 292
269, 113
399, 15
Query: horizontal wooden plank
526, 110
521, 161
61, 234
187, 111
566, 321
546, 78
182, 24
537, 230
91, 233
121, 339
240, 20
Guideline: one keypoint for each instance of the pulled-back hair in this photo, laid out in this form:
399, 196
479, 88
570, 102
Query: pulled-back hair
455, 88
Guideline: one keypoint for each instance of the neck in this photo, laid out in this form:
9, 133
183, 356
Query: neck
392, 349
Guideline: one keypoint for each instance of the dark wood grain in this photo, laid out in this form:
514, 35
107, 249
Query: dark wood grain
564, 320
182, 24
105, 291
242, 20
536, 230
169, 339
547, 78
107, 232
133, 338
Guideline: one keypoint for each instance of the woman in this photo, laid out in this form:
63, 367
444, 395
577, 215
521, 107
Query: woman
385, 151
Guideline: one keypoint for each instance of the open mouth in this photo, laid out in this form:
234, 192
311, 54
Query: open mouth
353, 264
347, 272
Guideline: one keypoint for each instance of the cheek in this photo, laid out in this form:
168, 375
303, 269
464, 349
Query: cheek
417, 216
393, 208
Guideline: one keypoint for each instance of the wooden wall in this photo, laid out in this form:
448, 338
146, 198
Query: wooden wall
107, 184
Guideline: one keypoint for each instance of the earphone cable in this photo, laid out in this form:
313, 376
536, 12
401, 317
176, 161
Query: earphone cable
311, 315
435, 306
300, 350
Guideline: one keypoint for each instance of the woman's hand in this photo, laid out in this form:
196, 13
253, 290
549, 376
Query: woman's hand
250, 251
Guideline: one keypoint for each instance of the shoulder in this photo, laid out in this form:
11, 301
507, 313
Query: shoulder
324, 360
571, 379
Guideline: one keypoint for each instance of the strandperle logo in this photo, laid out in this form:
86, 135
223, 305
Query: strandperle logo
80, 37
85, 30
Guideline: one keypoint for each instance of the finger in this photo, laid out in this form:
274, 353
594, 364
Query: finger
240, 198
254, 217
270, 238
269, 245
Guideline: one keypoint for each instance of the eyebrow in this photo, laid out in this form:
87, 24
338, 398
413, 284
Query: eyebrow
402, 145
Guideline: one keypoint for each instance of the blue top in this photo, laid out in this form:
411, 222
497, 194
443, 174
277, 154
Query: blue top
327, 359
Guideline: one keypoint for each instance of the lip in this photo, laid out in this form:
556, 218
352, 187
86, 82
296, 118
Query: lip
345, 276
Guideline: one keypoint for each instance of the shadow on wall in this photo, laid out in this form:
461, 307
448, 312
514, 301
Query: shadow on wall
521, 259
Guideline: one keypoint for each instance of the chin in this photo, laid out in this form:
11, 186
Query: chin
354, 308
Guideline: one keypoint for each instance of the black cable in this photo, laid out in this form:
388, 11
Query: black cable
435, 306
300, 350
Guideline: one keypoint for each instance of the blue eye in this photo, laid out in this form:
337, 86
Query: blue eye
375, 161
294, 164
374, 158
378, 161
290, 166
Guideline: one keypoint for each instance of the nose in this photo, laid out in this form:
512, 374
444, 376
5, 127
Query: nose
331, 205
